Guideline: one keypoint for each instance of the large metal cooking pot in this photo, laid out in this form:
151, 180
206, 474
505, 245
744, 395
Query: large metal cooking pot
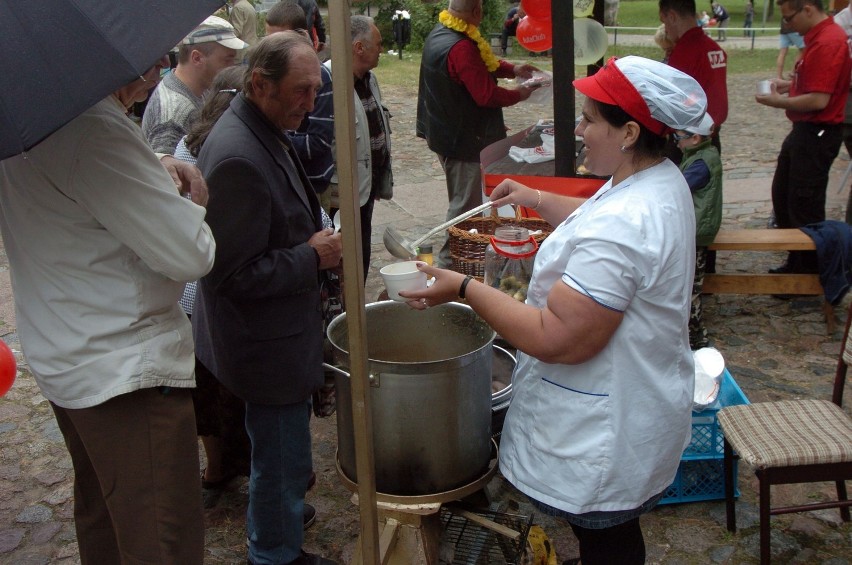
501, 389
430, 396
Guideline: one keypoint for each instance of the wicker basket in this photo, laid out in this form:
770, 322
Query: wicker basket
467, 250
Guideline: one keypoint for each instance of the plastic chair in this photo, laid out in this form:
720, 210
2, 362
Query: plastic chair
788, 442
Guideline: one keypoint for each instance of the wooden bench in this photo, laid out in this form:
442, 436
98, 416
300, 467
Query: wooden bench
766, 283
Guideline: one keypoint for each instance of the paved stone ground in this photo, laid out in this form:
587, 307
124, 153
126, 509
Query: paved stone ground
775, 349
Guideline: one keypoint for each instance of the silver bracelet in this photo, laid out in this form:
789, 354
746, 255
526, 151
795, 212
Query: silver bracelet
537, 204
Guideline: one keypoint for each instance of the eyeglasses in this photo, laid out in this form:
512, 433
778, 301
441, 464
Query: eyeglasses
788, 19
681, 136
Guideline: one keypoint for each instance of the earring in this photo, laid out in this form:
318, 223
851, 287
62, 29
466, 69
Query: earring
624, 149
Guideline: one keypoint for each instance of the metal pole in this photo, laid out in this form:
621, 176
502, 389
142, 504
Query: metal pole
344, 134
562, 16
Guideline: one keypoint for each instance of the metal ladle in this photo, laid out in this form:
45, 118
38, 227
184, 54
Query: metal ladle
400, 247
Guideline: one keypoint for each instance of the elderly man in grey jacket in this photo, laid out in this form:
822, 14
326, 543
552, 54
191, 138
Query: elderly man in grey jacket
372, 125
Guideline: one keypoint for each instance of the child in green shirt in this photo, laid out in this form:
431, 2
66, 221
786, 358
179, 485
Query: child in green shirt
702, 168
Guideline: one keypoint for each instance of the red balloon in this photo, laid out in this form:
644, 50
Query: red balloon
539, 9
8, 368
535, 35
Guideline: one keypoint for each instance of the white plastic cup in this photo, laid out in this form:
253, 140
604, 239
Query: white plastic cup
402, 276
764, 87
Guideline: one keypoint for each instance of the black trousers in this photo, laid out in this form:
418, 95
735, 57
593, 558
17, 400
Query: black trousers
801, 179
622, 544
366, 229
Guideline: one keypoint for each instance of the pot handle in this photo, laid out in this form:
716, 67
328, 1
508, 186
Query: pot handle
374, 379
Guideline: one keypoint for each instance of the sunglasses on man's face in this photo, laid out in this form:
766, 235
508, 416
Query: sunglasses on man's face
788, 19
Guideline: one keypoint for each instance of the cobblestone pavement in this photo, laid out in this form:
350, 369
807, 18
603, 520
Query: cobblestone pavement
775, 349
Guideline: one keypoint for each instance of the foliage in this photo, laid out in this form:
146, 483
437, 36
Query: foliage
424, 16
423, 19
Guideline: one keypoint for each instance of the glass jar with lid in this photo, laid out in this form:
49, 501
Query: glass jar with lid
424, 253
509, 260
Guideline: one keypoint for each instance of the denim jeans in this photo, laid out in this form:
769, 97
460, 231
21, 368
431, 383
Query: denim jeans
280, 470
600, 519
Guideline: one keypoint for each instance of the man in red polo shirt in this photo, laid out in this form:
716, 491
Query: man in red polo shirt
814, 100
699, 56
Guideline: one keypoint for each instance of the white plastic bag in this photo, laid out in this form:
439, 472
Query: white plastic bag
544, 93
709, 368
548, 142
531, 154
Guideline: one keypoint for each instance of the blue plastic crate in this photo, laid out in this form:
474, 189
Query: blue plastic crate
701, 474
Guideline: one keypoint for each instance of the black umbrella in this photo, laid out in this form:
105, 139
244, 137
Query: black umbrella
63, 56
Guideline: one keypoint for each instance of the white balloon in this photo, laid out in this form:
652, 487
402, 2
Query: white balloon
590, 41
583, 8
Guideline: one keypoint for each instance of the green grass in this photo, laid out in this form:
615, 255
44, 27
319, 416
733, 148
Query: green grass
740, 61
399, 73
631, 13
645, 13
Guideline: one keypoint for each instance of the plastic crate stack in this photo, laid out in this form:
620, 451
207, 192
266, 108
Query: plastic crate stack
701, 474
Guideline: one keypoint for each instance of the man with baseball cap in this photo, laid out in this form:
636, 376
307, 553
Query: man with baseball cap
208, 49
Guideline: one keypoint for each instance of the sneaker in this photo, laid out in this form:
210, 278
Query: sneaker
309, 515
311, 559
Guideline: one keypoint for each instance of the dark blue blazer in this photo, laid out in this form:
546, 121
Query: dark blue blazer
261, 302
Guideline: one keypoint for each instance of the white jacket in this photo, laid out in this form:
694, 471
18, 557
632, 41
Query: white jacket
608, 434
100, 245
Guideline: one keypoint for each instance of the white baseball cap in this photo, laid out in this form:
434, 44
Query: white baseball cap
704, 128
215, 29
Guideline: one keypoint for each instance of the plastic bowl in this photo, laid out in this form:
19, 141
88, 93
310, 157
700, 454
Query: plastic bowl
402, 276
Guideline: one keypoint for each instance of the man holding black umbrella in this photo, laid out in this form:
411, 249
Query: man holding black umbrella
100, 243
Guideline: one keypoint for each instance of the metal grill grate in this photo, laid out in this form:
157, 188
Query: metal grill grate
464, 542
